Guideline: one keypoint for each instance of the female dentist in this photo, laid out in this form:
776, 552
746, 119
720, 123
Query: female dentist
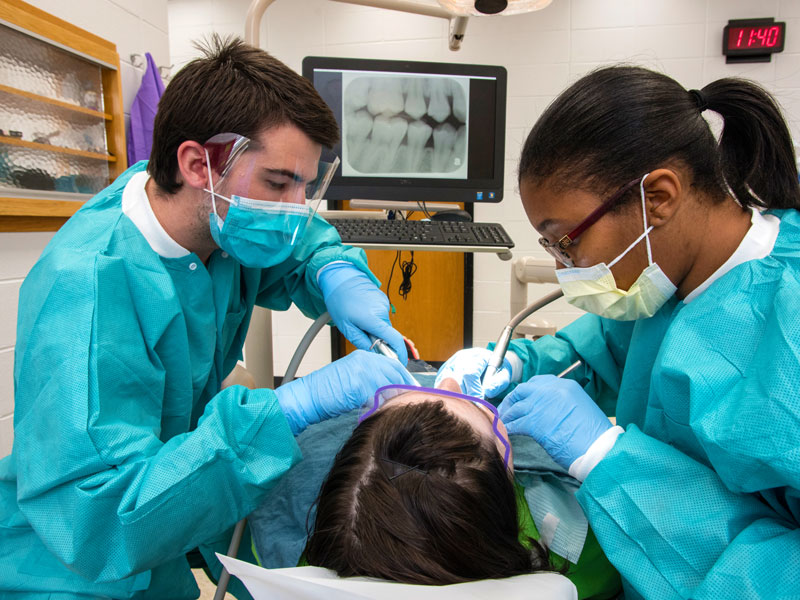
687, 251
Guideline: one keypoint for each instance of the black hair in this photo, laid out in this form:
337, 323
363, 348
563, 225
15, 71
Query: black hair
417, 496
618, 123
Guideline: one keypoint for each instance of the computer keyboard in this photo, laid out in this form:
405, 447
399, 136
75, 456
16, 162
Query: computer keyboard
422, 233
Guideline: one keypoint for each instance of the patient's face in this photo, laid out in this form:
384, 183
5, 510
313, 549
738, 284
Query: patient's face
477, 416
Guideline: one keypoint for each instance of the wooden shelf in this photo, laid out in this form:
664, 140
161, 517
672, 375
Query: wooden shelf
66, 105
47, 147
24, 207
30, 224
21, 213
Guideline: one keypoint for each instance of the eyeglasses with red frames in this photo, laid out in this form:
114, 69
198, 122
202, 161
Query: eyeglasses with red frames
558, 248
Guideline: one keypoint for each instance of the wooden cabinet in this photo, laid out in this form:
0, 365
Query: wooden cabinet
62, 128
433, 313
437, 313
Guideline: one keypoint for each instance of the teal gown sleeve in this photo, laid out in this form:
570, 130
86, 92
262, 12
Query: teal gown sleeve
104, 485
700, 497
674, 530
295, 280
602, 345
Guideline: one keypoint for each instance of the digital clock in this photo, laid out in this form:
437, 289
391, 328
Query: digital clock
752, 40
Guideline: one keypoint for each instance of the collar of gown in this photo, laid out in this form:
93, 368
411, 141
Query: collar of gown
757, 243
136, 206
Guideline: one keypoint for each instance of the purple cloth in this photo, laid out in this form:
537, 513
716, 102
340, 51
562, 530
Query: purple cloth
143, 113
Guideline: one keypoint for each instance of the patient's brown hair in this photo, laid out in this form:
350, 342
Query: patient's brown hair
417, 496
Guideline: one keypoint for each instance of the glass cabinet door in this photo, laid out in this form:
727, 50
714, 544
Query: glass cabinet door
53, 127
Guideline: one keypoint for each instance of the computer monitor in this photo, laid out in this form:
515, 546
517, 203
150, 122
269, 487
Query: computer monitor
415, 131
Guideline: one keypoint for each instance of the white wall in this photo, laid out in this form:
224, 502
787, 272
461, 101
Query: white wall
135, 28
543, 52
18, 252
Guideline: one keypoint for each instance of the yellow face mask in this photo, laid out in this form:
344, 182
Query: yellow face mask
594, 289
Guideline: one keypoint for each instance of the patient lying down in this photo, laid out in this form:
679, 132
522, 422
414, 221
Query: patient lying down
423, 491
420, 494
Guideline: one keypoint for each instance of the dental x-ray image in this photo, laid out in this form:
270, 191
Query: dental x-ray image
405, 126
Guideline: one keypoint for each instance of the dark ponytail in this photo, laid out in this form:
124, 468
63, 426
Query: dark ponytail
757, 155
618, 123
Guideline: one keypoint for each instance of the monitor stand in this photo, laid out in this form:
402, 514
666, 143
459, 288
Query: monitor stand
362, 204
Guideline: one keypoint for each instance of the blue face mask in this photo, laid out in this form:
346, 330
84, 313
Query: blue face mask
257, 233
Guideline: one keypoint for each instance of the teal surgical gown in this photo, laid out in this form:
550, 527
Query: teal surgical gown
700, 497
126, 454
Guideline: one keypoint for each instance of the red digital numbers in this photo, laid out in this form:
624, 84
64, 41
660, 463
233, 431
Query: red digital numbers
742, 38
752, 40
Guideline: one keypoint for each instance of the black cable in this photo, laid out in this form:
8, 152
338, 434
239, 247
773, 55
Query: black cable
424, 208
407, 268
389, 283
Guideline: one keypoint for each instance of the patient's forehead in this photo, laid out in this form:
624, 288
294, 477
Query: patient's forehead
457, 405
475, 414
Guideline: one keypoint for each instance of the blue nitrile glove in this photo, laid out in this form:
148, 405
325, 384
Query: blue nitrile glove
357, 307
467, 367
557, 413
339, 387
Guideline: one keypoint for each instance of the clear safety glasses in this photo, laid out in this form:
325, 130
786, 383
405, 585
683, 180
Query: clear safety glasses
389, 392
246, 173
558, 248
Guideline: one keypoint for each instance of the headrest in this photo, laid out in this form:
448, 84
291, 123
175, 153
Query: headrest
312, 583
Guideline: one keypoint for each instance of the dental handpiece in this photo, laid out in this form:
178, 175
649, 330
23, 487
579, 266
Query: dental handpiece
499, 352
381, 347
570, 368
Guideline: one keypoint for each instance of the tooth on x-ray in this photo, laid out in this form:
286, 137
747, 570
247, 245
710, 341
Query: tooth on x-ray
388, 153
369, 157
357, 92
438, 105
379, 153
459, 102
413, 150
415, 106
359, 126
444, 138
385, 96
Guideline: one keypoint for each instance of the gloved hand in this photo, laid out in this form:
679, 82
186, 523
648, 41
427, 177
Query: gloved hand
339, 387
467, 367
557, 413
358, 307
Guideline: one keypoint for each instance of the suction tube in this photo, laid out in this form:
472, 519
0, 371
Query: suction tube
501, 347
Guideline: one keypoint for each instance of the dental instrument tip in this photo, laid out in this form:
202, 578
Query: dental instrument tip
570, 368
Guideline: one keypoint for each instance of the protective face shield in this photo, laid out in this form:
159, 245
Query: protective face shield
270, 205
389, 392
594, 289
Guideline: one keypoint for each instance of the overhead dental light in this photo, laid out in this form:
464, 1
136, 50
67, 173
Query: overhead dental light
468, 8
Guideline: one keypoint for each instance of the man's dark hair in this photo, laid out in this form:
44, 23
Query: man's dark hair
417, 496
234, 88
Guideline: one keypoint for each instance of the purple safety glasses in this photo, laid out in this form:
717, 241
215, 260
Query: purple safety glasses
388, 392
